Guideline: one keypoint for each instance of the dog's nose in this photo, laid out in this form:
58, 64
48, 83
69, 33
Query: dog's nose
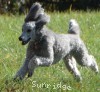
20, 38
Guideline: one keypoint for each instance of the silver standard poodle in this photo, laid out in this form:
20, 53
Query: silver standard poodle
46, 47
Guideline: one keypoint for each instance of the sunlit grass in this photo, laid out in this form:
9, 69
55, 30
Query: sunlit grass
12, 55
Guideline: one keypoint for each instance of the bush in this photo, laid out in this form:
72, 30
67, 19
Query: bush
21, 6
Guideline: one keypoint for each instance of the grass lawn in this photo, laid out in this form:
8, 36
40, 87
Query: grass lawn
55, 78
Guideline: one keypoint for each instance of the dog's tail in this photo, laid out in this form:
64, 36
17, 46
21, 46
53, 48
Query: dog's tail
74, 27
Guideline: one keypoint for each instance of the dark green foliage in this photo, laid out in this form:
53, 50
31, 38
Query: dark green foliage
21, 6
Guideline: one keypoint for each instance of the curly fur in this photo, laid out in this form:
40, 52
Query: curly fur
46, 47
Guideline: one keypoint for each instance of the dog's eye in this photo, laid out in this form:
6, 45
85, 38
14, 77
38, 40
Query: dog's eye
28, 30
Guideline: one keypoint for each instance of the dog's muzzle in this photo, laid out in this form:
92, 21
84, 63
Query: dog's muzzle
24, 42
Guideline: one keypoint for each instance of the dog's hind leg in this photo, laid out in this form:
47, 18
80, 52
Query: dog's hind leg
84, 59
70, 63
89, 61
94, 65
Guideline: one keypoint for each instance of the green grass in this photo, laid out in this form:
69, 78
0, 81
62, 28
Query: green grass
55, 78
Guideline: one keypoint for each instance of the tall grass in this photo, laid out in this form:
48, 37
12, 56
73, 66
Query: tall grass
55, 78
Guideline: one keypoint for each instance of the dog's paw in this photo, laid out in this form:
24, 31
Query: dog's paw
30, 74
19, 76
94, 67
78, 78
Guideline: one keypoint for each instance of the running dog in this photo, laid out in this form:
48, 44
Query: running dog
46, 47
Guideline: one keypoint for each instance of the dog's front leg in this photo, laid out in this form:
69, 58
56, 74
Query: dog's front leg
22, 71
41, 61
38, 61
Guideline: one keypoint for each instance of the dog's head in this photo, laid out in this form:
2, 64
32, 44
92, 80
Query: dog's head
34, 21
28, 31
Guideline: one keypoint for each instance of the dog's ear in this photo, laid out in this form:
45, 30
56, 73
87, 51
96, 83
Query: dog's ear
34, 12
42, 20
